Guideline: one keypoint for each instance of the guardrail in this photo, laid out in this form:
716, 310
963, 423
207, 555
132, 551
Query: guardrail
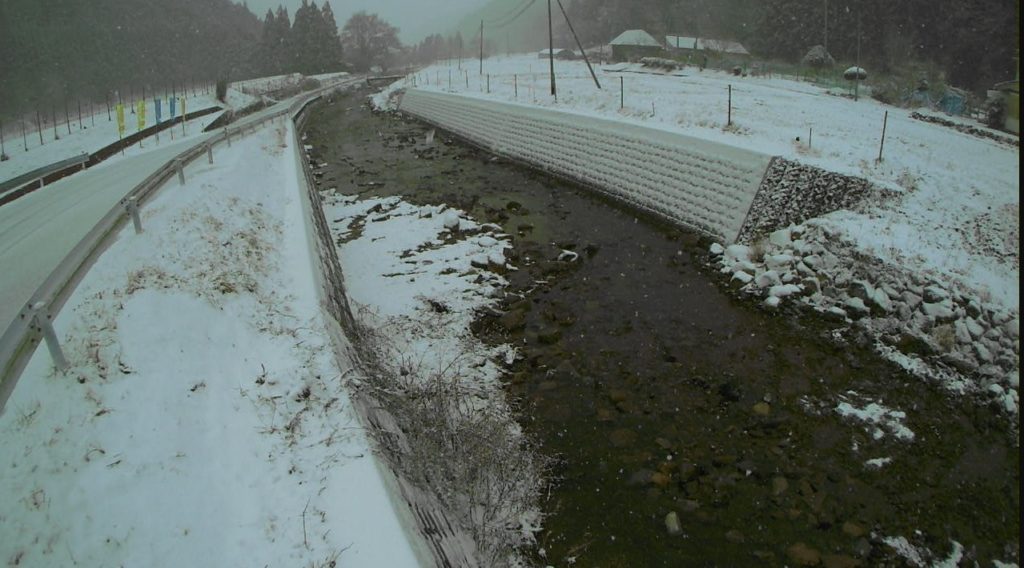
34, 322
40, 175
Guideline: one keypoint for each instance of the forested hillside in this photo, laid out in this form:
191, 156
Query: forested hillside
53, 50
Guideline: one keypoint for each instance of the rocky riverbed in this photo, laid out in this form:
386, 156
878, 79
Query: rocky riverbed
690, 425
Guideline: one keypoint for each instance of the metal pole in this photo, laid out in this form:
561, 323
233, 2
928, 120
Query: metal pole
44, 323
551, 53
481, 47
580, 45
856, 84
132, 205
730, 106
885, 124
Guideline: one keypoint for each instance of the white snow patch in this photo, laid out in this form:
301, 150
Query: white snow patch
879, 419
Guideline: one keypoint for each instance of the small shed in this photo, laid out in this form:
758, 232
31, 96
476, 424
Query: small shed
723, 46
1010, 91
559, 53
632, 45
680, 44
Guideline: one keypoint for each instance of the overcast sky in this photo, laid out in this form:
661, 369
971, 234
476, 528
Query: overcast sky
415, 19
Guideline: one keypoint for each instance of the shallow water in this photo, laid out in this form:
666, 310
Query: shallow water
659, 391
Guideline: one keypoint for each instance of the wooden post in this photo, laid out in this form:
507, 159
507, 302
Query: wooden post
24, 137
810, 137
730, 106
622, 93
3, 151
885, 123
488, 83
515, 85
53, 118
39, 127
67, 117
481, 47
449, 79
106, 98
79, 114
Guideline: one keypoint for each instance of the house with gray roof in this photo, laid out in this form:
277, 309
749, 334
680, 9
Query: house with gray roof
632, 45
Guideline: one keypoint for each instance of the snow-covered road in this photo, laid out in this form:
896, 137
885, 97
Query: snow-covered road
204, 420
38, 230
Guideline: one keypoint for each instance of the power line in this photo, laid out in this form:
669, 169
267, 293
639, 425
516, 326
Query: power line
492, 21
516, 17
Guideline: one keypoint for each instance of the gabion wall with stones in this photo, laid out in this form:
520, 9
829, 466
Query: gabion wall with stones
792, 193
702, 185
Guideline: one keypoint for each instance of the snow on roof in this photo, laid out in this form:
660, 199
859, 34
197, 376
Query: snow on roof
556, 51
636, 37
681, 42
698, 44
722, 46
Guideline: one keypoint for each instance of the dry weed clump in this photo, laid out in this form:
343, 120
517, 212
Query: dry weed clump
462, 444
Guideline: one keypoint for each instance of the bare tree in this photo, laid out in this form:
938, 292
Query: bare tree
368, 40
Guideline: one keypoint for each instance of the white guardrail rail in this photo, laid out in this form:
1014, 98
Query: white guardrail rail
34, 322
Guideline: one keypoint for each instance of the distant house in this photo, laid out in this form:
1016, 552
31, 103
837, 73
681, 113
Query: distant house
683, 46
632, 45
560, 53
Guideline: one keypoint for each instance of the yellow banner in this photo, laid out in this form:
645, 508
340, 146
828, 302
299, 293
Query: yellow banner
120, 120
183, 109
141, 113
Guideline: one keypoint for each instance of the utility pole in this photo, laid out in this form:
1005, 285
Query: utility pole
578, 44
856, 85
551, 52
826, 26
481, 47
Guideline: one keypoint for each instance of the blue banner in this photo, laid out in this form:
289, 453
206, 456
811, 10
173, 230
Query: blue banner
156, 107
170, 111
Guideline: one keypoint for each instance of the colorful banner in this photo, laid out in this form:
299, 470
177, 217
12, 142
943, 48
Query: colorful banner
141, 106
156, 107
170, 108
120, 120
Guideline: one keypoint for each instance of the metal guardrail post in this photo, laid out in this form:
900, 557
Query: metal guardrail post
132, 205
227, 136
209, 153
180, 167
42, 322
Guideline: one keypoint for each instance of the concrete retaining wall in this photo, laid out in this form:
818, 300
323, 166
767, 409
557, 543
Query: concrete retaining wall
705, 186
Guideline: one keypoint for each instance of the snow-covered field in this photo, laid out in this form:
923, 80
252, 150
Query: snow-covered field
95, 132
957, 215
203, 420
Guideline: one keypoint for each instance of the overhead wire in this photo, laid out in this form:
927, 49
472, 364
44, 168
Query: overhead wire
521, 11
492, 21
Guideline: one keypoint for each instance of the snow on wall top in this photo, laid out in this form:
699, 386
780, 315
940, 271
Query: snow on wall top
706, 186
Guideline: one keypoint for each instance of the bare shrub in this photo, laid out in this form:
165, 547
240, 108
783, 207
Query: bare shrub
461, 444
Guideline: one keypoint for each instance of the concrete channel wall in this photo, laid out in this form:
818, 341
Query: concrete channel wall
701, 185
